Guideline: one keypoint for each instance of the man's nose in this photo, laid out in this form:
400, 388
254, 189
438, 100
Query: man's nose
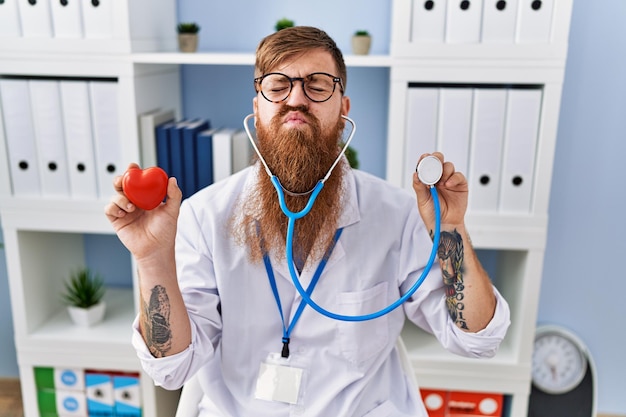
297, 96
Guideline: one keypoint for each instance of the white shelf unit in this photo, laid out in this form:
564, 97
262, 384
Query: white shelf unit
43, 237
518, 239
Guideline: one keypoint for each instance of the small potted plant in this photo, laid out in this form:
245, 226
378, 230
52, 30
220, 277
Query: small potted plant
283, 24
361, 42
188, 36
83, 296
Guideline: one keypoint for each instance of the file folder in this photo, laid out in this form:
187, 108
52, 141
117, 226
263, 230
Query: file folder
104, 106
421, 127
190, 149
79, 140
455, 117
148, 123
534, 24
463, 21
35, 18
98, 19
487, 141
499, 21
127, 395
518, 164
49, 138
20, 137
163, 157
9, 20
222, 153
176, 153
67, 19
5, 175
204, 157
429, 21
243, 153
100, 394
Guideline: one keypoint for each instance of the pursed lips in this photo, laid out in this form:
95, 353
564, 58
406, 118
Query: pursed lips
295, 118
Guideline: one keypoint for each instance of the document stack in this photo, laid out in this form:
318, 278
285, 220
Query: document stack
65, 25
490, 132
62, 136
56, 19
481, 21
191, 150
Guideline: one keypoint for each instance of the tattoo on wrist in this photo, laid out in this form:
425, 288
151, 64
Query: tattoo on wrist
450, 253
156, 322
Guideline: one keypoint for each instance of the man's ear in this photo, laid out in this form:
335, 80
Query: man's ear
345, 105
255, 109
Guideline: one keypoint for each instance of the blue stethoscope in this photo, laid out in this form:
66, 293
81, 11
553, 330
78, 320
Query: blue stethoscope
429, 171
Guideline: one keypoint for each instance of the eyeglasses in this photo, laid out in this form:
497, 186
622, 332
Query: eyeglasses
318, 87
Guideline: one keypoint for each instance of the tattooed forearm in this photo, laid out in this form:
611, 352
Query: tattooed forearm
156, 322
450, 254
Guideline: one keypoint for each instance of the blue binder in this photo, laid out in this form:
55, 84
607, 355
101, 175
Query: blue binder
189, 151
162, 137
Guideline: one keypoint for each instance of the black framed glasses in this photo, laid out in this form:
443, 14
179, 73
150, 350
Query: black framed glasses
318, 86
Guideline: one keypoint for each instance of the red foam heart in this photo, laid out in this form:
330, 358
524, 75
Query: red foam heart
145, 188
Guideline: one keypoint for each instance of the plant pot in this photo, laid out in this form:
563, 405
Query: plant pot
188, 42
361, 44
87, 316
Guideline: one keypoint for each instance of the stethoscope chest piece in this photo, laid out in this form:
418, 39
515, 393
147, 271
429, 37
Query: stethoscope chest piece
429, 170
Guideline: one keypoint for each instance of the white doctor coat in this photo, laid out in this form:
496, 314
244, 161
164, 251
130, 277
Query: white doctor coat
349, 368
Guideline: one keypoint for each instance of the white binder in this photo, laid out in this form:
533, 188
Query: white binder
242, 151
223, 153
79, 139
421, 127
107, 144
20, 137
463, 21
147, 125
98, 19
35, 18
429, 21
67, 18
486, 148
455, 118
499, 21
521, 132
49, 137
9, 19
534, 23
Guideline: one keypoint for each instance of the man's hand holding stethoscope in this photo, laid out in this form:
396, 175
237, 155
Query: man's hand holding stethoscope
452, 190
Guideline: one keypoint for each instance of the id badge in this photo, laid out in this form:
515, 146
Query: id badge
278, 380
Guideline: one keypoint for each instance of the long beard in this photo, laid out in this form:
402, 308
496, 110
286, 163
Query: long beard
299, 158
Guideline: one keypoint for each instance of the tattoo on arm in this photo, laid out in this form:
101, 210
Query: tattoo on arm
450, 254
156, 322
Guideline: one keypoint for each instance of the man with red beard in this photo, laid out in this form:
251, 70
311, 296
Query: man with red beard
217, 294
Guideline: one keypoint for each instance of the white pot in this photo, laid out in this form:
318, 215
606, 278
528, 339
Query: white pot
87, 316
188, 42
361, 45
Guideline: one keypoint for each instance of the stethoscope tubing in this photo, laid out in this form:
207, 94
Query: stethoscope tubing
292, 217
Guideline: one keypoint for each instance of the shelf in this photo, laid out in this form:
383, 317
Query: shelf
109, 340
438, 368
215, 58
55, 215
538, 54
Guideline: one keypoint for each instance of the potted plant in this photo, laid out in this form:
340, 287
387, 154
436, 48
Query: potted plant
361, 42
188, 36
83, 296
283, 24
